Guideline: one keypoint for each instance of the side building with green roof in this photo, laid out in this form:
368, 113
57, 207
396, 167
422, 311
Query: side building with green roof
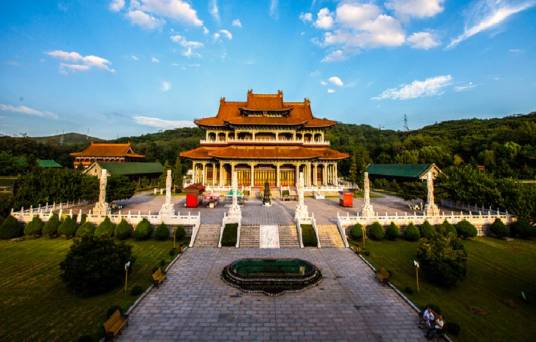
145, 174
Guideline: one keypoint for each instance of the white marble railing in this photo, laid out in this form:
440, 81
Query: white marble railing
479, 220
48, 208
228, 220
265, 141
307, 220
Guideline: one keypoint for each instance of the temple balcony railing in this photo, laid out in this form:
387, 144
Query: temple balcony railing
266, 141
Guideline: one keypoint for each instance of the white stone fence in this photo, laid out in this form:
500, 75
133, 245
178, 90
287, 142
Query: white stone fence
230, 220
26, 215
307, 220
479, 220
462, 206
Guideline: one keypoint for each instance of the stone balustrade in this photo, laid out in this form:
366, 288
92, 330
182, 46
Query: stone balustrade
266, 141
480, 220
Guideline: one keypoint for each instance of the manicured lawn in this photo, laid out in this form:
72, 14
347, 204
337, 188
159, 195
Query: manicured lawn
487, 304
34, 303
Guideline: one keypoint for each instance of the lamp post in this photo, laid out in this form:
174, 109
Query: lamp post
363, 235
127, 266
417, 266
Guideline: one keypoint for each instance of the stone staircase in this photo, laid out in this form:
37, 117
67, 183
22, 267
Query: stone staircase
249, 236
288, 236
329, 236
208, 236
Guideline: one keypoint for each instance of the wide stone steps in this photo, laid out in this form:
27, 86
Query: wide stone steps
249, 236
329, 236
288, 236
208, 235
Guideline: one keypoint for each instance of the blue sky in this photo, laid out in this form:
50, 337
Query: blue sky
116, 68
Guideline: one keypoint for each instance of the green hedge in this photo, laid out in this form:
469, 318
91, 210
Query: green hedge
498, 229
229, 236
356, 232
375, 231
161, 232
123, 230
180, 233
11, 228
105, 229
143, 230
51, 226
34, 227
411, 233
68, 228
392, 232
86, 230
427, 230
309, 236
466, 229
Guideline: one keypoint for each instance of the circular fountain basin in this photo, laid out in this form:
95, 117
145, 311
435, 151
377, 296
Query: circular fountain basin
271, 276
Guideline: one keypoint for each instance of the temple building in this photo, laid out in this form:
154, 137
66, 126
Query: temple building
100, 152
265, 139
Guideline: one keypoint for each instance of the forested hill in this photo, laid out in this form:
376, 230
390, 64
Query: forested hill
505, 146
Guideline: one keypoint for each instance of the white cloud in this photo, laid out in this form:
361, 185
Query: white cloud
516, 51
415, 8
324, 19
324, 83
274, 9
429, 87
155, 60
237, 23
423, 40
214, 10
464, 87
165, 86
223, 33
77, 62
205, 30
134, 58
161, 123
177, 10
331, 91
356, 15
144, 20
116, 5
488, 15
190, 46
27, 111
306, 17
335, 56
335, 80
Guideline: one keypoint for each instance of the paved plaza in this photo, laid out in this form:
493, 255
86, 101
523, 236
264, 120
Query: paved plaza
347, 305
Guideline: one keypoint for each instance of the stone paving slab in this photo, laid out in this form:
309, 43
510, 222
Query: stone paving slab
194, 304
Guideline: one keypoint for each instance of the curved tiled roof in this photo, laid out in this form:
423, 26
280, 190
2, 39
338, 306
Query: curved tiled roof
264, 152
229, 113
107, 150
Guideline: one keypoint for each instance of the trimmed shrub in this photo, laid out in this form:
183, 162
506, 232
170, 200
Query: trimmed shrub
51, 226
498, 229
427, 230
392, 232
229, 236
87, 230
443, 260
375, 231
34, 227
105, 229
356, 232
411, 233
161, 232
95, 266
465, 229
522, 229
67, 228
123, 230
180, 233
11, 228
143, 230
308, 236
446, 228
452, 328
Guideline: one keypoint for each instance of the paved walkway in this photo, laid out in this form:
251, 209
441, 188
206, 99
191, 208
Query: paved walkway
195, 304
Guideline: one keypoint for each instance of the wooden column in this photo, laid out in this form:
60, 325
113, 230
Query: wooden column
213, 173
252, 176
277, 175
204, 172
297, 174
335, 171
221, 173
315, 174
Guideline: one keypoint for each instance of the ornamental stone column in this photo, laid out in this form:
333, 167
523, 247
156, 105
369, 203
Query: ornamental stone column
367, 210
431, 208
296, 174
101, 207
325, 174
301, 208
167, 207
234, 211
204, 172
315, 174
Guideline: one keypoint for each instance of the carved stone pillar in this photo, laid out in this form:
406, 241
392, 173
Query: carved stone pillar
101, 207
367, 210
167, 207
301, 208
431, 208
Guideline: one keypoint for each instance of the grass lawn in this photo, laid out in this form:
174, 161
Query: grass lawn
34, 303
487, 304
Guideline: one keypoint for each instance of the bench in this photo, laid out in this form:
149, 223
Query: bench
114, 324
158, 277
383, 276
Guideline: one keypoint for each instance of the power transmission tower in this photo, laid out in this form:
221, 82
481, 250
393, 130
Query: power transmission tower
406, 127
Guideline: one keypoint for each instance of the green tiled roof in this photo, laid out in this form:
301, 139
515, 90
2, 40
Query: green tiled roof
132, 168
398, 170
47, 163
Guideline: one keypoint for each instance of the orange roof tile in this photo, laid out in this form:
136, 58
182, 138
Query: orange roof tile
108, 150
300, 112
264, 152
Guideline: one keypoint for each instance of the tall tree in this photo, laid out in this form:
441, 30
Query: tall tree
177, 175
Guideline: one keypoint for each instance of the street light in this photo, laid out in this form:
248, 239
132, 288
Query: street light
417, 266
127, 266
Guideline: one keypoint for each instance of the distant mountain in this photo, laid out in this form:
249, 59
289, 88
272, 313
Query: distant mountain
67, 139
